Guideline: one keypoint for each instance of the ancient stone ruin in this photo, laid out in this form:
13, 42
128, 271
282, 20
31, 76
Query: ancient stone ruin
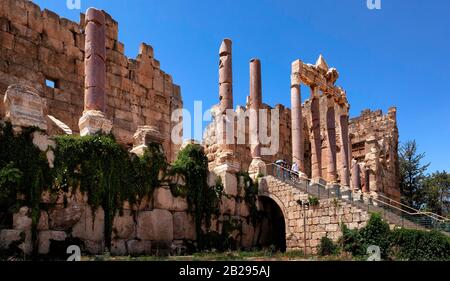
96, 88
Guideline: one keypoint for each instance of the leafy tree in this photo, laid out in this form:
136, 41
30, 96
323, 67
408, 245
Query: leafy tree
437, 193
412, 174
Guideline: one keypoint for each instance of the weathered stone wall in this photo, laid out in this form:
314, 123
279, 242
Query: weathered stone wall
36, 46
305, 227
159, 226
374, 139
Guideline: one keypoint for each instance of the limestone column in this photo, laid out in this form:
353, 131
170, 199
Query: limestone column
345, 153
331, 141
257, 165
297, 127
366, 188
316, 142
356, 176
225, 76
255, 104
93, 119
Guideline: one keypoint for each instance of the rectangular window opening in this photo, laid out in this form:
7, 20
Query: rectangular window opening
52, 83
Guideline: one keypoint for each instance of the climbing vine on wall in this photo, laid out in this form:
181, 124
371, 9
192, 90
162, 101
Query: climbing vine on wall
250, 195
203, 200
24, 174
110, 175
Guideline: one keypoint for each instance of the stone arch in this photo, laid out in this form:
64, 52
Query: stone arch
286, 197
275, 222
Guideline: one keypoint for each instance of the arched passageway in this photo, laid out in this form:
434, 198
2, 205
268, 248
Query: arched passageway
273, 227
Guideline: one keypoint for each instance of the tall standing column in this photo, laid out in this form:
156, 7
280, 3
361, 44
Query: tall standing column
316, 143
331, 139
356, 176
255, 104
257, 166
93, 119
297, 127
366, 188
344, 159
226, 76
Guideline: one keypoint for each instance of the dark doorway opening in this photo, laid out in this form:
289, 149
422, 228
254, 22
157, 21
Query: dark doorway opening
273, 232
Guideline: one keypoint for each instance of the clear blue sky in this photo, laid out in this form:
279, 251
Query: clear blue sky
396, 56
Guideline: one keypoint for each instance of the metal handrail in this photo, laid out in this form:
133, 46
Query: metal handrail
416, 214
442, 218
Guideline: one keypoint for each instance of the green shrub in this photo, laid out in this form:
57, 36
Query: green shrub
377, 233
417, 245
350, 241
313, 201
327, 247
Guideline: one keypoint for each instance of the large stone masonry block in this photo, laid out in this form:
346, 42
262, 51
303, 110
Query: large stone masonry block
156, 225
90, 226
230, 184
24, 107
163, 199
118, 247
183, 226
124, 226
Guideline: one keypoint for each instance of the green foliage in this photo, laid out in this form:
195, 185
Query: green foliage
313, 201
416, 245
399, 244
351, 241
25, 173
251, 196
110, 175
10, 178
411, 174
327, 247
437, 193
376, 232
203, 200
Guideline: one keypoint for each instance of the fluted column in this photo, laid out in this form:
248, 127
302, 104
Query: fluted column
331, 141
344, 156
316, 143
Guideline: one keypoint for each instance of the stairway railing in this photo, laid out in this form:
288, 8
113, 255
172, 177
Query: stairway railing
391, 210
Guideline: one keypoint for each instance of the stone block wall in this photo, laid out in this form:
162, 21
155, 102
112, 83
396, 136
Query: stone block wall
37, 45
374, 139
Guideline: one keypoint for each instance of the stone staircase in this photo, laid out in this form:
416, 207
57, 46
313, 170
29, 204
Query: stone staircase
394, 215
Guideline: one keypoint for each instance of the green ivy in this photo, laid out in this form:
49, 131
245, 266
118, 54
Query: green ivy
250, 196
203, 200
110, 175
24, 174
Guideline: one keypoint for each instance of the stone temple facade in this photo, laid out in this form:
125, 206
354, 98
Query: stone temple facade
329, 147
73, 78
